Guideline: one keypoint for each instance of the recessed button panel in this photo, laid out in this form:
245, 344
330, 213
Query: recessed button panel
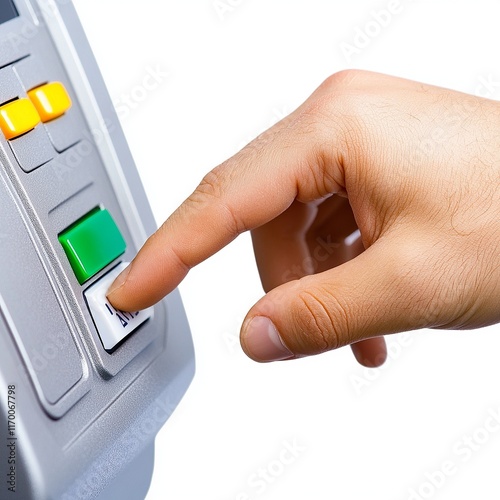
27, 98
32, 149
10, 88
112, 325
32, 310
92, 243
65, 131
31, 72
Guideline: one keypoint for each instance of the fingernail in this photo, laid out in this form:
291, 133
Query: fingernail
119, 281
263, 342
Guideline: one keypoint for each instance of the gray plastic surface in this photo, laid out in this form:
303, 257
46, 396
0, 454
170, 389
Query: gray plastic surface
85, 419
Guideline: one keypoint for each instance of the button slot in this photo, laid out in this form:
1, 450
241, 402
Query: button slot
112, 325
91, 243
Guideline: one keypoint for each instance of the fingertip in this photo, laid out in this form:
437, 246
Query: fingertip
371, 353
117, 292
262, 342
133, 294
119, 281
130, 291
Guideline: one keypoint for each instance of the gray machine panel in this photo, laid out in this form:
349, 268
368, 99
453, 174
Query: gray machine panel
82, 418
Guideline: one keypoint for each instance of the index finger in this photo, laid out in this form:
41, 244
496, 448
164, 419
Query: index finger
246, 191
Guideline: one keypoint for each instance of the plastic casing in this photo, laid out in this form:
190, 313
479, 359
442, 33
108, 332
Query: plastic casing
85, 419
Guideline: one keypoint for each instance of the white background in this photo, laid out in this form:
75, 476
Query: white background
360, 434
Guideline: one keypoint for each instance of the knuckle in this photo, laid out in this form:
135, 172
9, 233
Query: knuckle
348, 89
214, 194
211, 186
342, 79
345, 104
349, 95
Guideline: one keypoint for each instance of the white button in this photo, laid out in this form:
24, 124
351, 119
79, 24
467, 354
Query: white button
112, 325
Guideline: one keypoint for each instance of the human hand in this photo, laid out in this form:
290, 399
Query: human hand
420, 168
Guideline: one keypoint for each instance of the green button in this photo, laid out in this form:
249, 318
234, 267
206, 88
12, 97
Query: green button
91, 243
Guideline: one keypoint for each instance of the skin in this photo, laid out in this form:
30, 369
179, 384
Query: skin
415, 167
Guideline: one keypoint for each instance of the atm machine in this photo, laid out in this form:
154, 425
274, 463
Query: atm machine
84, 388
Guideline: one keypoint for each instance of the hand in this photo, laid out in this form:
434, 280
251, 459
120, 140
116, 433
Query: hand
415, 167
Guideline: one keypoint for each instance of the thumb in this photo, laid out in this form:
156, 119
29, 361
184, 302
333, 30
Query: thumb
383, 290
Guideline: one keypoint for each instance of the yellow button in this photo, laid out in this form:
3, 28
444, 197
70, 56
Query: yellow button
51, 100
18, 117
